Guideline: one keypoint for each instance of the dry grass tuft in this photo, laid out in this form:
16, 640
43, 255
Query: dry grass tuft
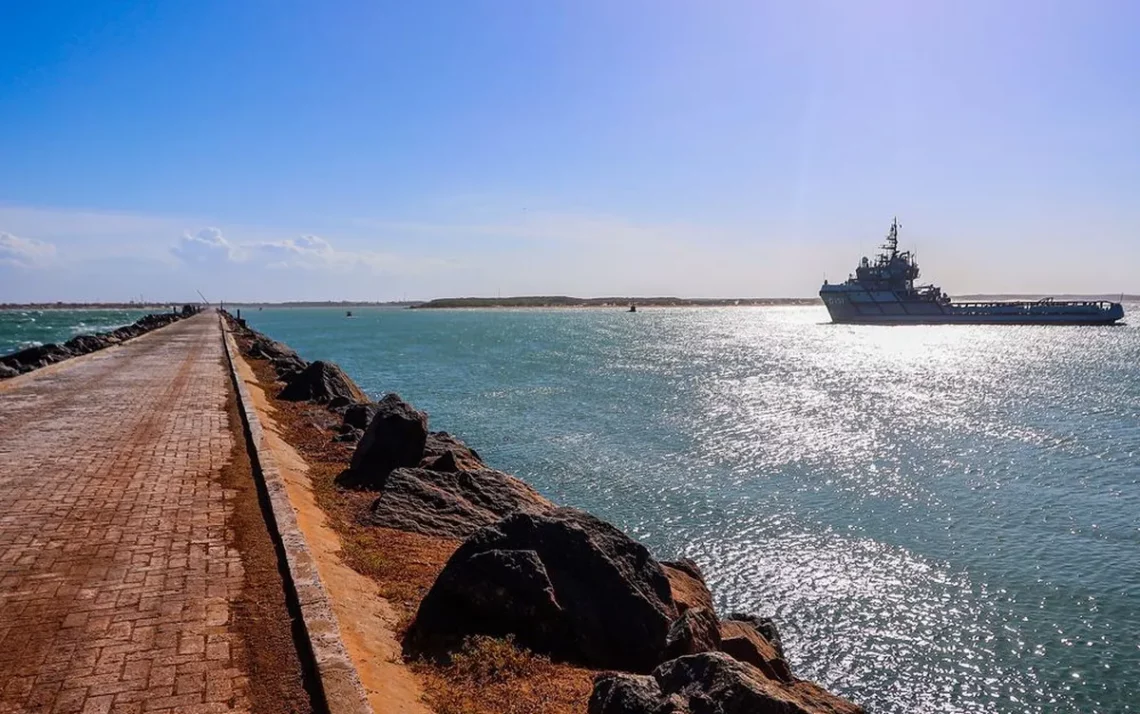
493, 675
487, 660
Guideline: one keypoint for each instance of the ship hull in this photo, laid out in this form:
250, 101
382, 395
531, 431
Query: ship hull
971, 320
886, 308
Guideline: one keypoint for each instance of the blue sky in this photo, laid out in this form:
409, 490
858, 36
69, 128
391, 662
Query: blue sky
371, 150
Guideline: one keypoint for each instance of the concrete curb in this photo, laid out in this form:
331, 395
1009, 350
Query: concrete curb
339, 682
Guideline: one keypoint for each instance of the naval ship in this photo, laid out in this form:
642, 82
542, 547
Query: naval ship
883, 292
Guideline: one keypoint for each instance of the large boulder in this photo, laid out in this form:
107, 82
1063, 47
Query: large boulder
348, 434
126, 332
766, 626
358, 415
710, 683
321, 382
444, 452
564, 583
452, 504
261, 347
620, 693
696, 630
82, 344
394, 439
286, 362
688, 584
742, 640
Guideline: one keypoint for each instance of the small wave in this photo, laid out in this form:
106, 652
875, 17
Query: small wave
85, 329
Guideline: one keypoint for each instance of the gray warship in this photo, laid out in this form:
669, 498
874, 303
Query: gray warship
883, 292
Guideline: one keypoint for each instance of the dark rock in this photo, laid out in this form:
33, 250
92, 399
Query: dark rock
7, 372
613, 605
688, 584
34, 357
766, 626
286, 362
394, 439
714, 683
261, 347
360, 414
321, 382
84, 344
126, 333
696, 630
619, 693
446, 463
452, 504
742, 641
349, 435
443, 452
287, 367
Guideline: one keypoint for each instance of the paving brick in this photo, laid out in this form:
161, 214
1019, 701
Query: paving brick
115, 567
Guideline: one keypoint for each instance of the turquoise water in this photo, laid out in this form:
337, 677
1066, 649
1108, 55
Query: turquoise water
942, 519
20, 329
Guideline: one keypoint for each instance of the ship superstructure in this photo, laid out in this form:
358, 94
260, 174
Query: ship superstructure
883, 291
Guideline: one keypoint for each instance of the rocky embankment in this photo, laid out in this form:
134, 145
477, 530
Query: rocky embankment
43, 355
559, 581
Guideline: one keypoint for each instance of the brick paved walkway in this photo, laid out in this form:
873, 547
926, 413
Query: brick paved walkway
115, 573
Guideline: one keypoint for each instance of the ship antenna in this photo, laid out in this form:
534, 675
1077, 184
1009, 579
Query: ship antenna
892, 245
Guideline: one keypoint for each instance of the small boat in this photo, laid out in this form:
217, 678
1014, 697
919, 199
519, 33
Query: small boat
348, 314
633, 308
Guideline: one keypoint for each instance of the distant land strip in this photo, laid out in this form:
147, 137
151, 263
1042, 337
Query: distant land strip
564, 301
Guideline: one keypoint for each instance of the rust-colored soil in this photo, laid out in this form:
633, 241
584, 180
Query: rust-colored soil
276, 684
404, 566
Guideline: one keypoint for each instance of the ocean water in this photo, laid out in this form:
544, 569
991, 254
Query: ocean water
20, 329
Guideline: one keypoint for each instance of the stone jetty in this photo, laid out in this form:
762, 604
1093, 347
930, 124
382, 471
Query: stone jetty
136, 572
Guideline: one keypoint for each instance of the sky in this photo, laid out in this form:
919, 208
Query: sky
281, 150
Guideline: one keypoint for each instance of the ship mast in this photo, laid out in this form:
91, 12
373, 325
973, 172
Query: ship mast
892, 246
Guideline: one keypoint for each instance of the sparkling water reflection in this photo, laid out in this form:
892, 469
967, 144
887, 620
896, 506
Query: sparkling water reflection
941, 518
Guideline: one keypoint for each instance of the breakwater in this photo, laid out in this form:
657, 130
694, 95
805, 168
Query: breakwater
559, 581
37, 356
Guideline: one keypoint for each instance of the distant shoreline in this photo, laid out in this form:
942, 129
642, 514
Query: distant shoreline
539, 301
549, 301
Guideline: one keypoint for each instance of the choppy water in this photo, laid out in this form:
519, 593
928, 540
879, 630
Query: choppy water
20, 329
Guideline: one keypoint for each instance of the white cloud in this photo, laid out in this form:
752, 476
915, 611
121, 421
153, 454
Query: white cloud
306, 252
206, 246
24, 252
